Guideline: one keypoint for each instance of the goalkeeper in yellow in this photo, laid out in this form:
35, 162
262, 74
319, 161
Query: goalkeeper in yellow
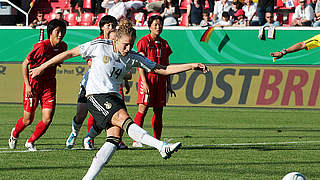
307, 44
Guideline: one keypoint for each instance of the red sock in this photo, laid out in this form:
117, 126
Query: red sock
19, 128
41, 128
157, 126
139, 119
90, 122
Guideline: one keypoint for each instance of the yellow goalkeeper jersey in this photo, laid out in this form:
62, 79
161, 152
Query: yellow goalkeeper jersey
313, 42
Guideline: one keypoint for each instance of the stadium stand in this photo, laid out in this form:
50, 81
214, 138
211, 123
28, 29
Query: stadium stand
71, 18
99, 16
87, 19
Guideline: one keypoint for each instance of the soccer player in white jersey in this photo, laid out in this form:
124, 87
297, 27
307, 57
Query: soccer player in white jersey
110, 63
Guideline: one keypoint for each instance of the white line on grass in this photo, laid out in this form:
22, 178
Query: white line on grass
200, 145
252, 144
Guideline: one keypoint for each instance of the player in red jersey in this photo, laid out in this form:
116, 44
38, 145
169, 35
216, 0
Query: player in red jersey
152, 88
41, 89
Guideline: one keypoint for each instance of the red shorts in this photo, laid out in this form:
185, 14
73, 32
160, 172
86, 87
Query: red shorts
44, 91
157, 91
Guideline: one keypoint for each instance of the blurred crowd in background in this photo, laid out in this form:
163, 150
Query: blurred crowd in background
202, 13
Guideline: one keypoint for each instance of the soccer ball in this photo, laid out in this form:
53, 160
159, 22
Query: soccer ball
294, 176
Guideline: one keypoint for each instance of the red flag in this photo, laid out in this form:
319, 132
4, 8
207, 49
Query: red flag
32, 3
207, 34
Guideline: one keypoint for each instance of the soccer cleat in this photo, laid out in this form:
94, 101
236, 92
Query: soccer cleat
71, 140
168, 149
30, 146
87, 144
12, 141
122, 146
136, 144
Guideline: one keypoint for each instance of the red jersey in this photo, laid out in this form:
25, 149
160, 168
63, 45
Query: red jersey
157, 51
42, 52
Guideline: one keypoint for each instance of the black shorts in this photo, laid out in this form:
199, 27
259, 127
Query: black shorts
102, 107
82, 95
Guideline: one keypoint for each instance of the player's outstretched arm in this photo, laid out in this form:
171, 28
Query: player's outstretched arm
178, 68
58, 59
297, 47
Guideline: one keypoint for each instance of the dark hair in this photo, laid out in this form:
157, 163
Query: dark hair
40, 12
54, 24
106, 20
225, 14
154, 17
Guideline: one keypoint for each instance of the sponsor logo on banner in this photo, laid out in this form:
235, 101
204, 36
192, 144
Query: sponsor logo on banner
223, 86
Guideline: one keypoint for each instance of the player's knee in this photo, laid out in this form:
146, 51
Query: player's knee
143, 108
27, 121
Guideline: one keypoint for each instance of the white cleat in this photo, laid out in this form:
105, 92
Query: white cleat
12, 141
87, 144
30, 146
71, 140
137, 144
168, 149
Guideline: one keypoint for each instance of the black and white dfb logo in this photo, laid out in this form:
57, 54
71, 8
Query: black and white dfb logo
3, 70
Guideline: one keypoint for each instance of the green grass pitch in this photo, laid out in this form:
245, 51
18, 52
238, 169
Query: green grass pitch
218, 143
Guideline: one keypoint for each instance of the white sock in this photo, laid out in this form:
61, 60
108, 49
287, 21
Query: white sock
76, 127
102, 158
140, 135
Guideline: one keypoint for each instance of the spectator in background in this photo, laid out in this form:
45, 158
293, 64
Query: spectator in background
205, 20
317, 15
225, 20
241, 19
303, 15
313, 4
194, 13
73, 4
263, 7
236, 5
250, 10
119, 9
170, 12
270, 21
116, 9
59, 16
39, 21
220, 7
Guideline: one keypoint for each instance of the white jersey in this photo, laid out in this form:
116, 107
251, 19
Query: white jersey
85, 79
108, 68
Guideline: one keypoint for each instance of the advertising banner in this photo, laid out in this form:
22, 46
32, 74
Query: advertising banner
223, 86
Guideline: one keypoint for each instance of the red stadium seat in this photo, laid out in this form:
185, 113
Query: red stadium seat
138, 18
183, 21
151, 1
206, 4
184, 4
71, 18
153, 14
50, 16
86, 4
278, 17
99, 16
289, 19
87, 19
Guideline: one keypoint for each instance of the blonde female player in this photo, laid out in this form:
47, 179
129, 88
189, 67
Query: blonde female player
110, 63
